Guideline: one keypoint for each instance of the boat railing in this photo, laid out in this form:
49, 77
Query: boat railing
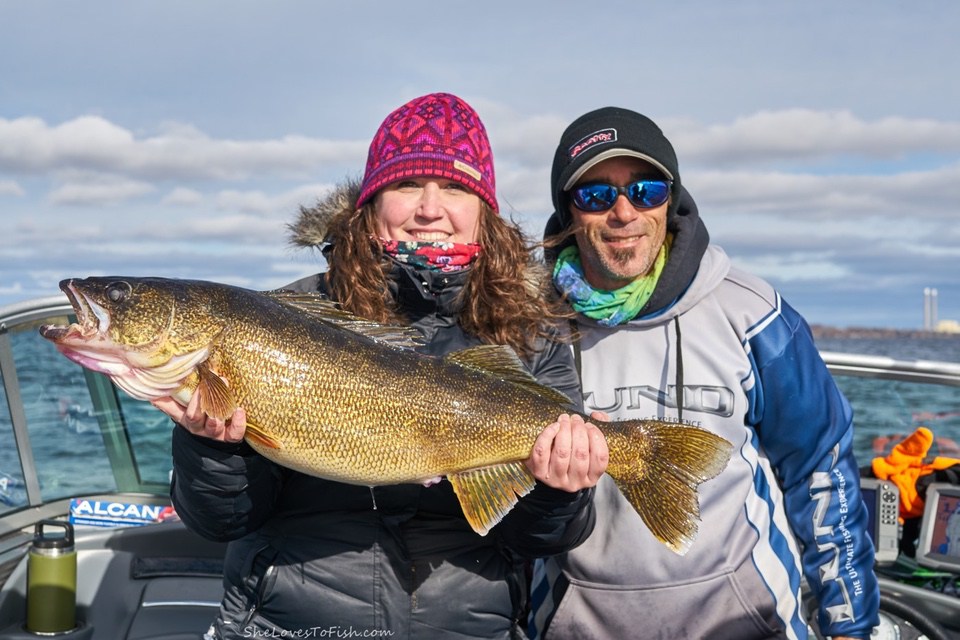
869, 366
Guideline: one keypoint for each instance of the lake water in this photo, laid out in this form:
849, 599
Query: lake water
885, 411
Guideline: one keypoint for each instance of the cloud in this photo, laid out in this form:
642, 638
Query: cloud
524, 145
99, 191
182, 197
11, 289
233, 228
934, 192
795, 266
29, 145
787, 135
815, 201
525, 139
285, 203
11, 188
794, 134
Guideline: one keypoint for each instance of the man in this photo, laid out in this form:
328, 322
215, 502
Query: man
670, 330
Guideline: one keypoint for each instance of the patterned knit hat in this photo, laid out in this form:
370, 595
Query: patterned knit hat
436, 135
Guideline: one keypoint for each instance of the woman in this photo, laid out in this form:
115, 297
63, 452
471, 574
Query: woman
418, 241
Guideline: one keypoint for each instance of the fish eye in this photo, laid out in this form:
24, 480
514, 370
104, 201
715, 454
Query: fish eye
118, 291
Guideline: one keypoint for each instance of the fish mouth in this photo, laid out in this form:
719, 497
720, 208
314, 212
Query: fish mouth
144, 370
92, 319
87, 341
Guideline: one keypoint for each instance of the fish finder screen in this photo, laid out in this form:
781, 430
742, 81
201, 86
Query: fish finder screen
939, 545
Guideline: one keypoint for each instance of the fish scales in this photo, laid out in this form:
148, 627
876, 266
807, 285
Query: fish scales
393, 414
342, 398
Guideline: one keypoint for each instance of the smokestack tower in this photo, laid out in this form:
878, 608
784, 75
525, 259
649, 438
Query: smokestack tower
929, 309
934, 309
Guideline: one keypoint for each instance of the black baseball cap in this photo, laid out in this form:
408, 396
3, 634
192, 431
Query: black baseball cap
606, 133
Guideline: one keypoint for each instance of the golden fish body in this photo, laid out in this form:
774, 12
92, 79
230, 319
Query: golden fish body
338, 397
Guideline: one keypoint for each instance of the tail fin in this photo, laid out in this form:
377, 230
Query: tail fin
658, 466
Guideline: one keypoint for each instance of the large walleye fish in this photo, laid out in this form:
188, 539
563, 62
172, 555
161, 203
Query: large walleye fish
342, 398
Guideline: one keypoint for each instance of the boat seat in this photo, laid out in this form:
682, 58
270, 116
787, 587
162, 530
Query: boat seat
175, 608
156, 582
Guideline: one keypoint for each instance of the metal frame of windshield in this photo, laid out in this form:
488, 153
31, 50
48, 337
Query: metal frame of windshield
11, 317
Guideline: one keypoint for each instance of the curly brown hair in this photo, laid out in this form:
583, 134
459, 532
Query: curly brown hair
507, 298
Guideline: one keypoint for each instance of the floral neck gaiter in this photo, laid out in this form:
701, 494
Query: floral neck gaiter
608, 308
440, 256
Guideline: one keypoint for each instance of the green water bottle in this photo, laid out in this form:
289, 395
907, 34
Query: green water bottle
52, 579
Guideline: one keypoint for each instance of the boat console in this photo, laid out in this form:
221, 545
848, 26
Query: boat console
75, 449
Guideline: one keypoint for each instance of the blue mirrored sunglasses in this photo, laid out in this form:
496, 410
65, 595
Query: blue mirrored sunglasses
600, 196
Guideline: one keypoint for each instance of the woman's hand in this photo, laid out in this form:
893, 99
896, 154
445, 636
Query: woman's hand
194, 420
569, 454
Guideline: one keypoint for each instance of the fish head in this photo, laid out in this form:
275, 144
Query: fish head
147, 334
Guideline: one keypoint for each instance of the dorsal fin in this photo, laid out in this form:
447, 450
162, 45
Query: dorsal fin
326, 310
500, 361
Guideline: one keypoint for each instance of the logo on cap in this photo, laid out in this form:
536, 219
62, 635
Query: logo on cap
467, 169
597, 137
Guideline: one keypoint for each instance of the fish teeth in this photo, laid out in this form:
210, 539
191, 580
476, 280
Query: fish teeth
102, 315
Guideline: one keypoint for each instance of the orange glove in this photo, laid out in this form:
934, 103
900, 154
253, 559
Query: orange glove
904, 465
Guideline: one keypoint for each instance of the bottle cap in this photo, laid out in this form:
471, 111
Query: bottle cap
62, 540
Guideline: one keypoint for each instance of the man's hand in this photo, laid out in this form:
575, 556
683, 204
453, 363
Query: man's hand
569, 454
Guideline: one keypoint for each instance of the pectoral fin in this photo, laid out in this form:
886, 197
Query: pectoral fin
488, 494
216, 398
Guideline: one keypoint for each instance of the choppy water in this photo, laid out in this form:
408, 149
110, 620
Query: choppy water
886, 410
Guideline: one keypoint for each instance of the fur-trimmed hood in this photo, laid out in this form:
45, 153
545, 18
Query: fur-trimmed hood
311, 226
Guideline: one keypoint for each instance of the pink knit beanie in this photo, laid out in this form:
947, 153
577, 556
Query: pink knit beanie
436, 135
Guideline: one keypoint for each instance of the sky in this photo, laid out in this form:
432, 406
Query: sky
821, 140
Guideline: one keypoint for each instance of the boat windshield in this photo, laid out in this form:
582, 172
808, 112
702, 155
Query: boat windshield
66, 431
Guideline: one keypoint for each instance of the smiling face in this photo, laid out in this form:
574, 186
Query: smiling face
620, 244
427, 209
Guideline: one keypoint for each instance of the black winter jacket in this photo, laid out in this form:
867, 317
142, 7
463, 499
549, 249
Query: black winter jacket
312, 556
